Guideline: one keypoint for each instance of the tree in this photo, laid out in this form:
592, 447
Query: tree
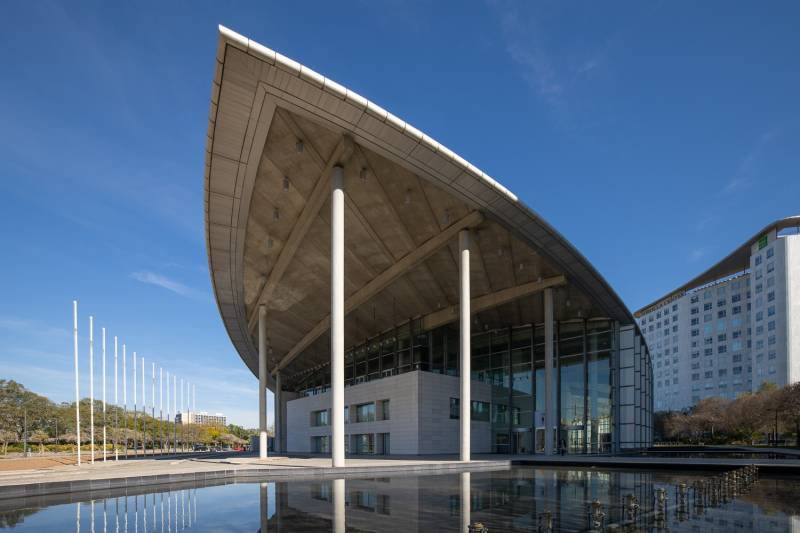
7, 436
789, 406
39, 437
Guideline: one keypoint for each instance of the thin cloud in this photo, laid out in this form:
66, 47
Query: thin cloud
31, 327
159, 280
697, 254
748, 168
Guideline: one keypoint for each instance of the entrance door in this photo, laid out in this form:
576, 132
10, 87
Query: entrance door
522, 442
539, 440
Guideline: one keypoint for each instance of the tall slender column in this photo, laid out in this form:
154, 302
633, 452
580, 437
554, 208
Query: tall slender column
549, 406
464, 346
278, 413
262, 382
337, 316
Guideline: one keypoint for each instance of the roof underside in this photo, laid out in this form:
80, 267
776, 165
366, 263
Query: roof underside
275, 130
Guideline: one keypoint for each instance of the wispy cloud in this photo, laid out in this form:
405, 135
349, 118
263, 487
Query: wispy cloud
525, 44
748, 168
697, 253
31, 327
159, 280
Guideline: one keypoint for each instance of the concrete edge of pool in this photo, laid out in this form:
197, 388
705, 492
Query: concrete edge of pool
30, 484
379, 468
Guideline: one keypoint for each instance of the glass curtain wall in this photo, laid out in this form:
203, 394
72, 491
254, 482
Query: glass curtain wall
511, 360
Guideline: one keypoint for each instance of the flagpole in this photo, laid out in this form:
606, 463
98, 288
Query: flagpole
153, 403
91, 386
175, 408
144, 414
135, 409
104, 395
77, 379
183, 422
168, 410
161, 407
116, 405
125, 398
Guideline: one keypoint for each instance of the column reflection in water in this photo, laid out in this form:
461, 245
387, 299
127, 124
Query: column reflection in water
91, 506
189, 496
105, 518
144, 513
195, 506
264, 506
116, 515
338, 506
136, 514
183, 512
162, 512
78, 517
169, 513
126, 514
465, 501
176, 511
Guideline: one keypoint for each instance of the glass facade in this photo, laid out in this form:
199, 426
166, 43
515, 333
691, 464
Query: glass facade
602, 380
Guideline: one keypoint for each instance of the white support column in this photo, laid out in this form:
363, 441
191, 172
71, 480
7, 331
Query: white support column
465, 352
339, 517
337, 316
466, 501
278, 418
262, 382
549, 405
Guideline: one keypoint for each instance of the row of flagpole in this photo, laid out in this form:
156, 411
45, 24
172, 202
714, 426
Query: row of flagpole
190, 395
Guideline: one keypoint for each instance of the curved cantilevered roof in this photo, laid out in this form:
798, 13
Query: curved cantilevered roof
735, 262
275, 130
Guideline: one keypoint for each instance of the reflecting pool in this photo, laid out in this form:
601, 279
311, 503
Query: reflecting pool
515, 499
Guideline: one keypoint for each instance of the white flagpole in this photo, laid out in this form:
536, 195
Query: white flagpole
161, 406
175, 407
144, 414
183, 422
125, 398
116, 404
104, 394
91, 386
153, 403
168, 409
77, 380
135, 409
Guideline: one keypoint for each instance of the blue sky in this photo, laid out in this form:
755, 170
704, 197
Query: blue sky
656, 136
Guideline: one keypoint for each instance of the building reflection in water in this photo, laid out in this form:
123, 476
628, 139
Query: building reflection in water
520, 499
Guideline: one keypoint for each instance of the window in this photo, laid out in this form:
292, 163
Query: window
695, 310
721, 313
674, 307
758, 259
479, 412
737, 358
707, 307
695, 321
770, 252
319, 418
385, 411
708, 317
695, 376
695, 299
720, 303
695, 333
772, 355
455, 412
771, 296
771, 325
709, 374
365, 412
320, 444
736, 298
722, 348
737, 370
770, 267
771, 310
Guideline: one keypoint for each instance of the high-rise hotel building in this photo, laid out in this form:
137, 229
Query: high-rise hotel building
733, 327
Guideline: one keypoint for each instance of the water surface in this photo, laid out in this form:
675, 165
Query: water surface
516, 499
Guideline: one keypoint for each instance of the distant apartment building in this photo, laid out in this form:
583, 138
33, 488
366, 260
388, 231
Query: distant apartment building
733, 327
201, 417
